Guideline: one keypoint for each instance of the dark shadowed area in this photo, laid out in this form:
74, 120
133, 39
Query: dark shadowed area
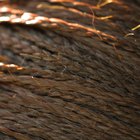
70, 70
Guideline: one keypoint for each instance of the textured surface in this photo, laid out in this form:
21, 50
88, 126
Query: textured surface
76, 70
